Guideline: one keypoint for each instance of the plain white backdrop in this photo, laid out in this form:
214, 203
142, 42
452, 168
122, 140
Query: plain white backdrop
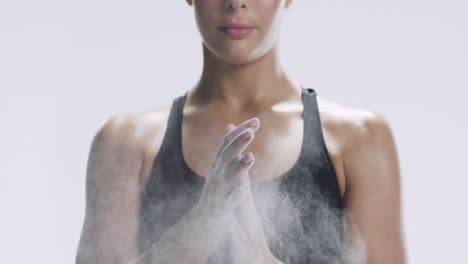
66, 67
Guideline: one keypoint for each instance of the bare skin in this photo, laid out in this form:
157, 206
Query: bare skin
241, 80
363, 133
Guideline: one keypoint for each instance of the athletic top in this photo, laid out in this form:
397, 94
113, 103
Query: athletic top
301, 210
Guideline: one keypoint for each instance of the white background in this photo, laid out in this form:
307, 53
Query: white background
66, 67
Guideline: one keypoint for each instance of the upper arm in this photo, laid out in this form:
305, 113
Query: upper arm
112, 193
372, 196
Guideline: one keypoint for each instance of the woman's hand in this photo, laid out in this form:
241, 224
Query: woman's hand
247, 230
249, 233
222, 191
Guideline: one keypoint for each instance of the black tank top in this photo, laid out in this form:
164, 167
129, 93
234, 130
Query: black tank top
301, 210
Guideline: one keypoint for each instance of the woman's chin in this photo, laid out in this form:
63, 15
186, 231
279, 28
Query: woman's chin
236, 56
235, 59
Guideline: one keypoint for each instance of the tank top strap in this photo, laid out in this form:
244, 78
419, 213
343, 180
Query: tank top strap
316, 154
168, 159
310, 115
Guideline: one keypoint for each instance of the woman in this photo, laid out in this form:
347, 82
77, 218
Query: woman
150, 200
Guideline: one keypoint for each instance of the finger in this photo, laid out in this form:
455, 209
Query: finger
238, 145
228, 137
229, 128
241, 165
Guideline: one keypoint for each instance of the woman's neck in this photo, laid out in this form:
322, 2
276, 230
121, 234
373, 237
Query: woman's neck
262, 81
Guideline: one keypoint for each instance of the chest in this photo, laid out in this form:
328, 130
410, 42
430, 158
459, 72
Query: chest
294, 207
277, 145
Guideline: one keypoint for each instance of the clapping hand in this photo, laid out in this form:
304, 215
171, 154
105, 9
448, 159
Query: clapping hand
247, 230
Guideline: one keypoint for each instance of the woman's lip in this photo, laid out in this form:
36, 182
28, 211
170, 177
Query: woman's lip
237, 32
237, 25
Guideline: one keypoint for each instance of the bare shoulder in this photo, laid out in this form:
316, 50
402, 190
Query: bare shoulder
113, 184
365, 139
126, 135
354, 127
371, 168
148, 129
136, 126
